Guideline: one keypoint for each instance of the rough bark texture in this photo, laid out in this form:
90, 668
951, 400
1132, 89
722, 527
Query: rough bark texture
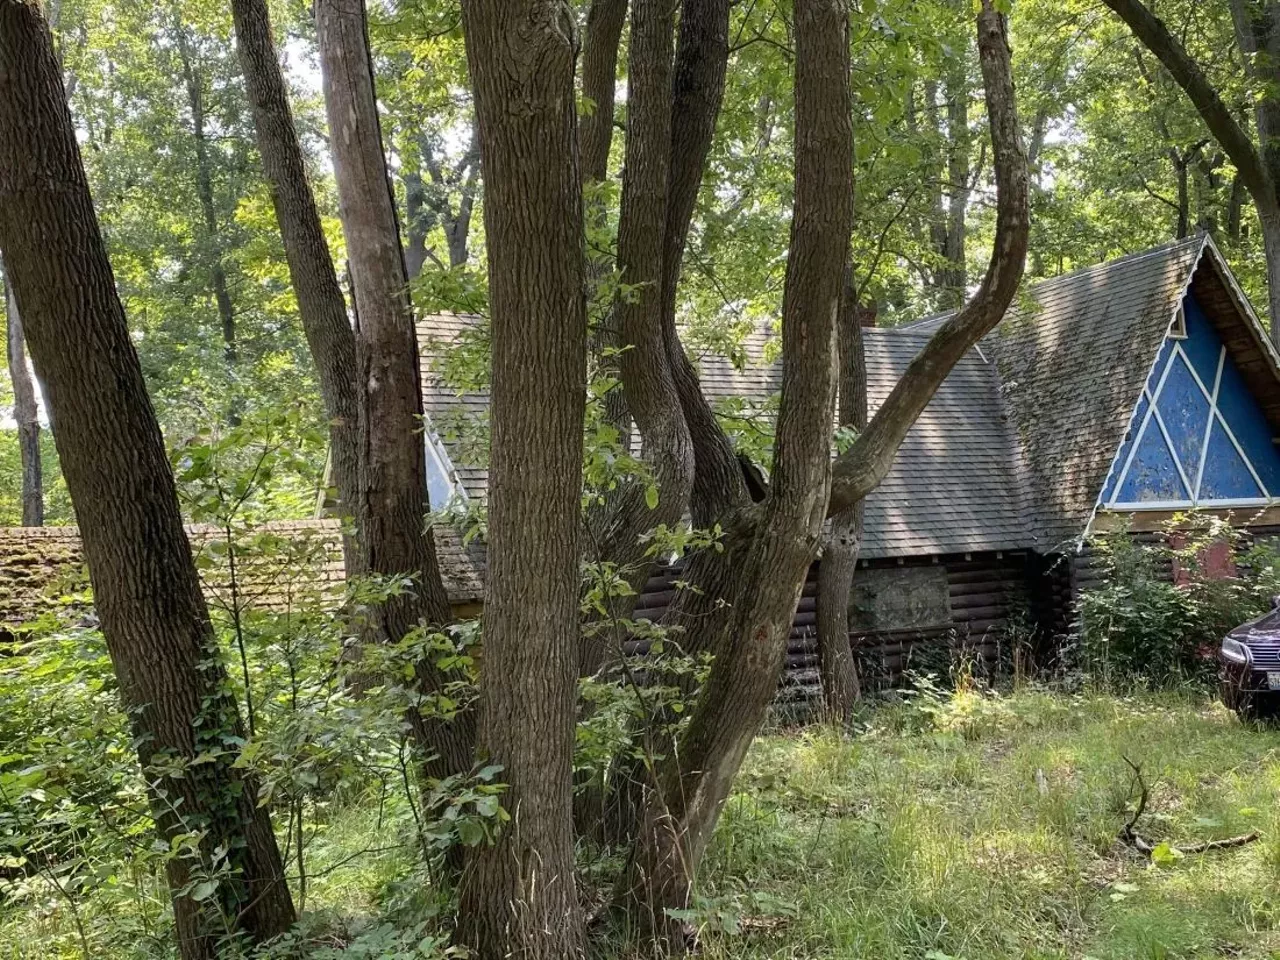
605, 19
518, 895
315, 282
146, 590
204, 190
697, 91
836, 667
860, 469
771, 561
648, 385
393, 506
26, 413
1258, 170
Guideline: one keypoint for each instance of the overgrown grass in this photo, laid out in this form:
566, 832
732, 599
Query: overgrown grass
977, 826
964, 825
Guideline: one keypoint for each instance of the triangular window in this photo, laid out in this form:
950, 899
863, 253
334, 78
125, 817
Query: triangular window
1197, 437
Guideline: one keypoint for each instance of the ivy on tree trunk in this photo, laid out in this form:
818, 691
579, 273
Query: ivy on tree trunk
146, 591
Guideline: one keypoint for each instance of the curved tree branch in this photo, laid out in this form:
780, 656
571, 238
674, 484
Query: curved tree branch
1150, 29
860, 469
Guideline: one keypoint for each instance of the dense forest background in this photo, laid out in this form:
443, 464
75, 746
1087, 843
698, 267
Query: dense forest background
1120, 161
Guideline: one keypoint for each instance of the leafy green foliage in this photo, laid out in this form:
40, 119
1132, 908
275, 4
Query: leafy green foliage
1138, 624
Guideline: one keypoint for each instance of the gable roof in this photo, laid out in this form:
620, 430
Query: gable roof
1015, 447
1073, 357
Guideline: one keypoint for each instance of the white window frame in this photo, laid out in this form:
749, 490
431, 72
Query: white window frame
1214, 415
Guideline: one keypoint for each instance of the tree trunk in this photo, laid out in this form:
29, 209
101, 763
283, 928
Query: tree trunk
861, 468
697, 91
605, 19
26, 413
836, 666
518, 895
695, 779
204, 192
392, 506
311, 270
146, 589
1258, 170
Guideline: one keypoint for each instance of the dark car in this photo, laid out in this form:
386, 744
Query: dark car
1250, 666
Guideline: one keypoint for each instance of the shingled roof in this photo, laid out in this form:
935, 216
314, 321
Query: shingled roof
292, 559
1014, 449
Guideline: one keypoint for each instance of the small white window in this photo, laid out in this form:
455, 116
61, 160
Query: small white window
1179, 329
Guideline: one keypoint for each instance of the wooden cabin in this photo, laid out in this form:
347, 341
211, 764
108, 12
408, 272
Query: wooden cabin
1115, 395
1111, 397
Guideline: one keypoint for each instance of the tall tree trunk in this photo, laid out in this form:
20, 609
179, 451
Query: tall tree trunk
204, 191
26, 413
518, 895
836, 666
861, 468
605, 19
393, 506
697, 91
649, 388
694, 781
315, 282
146, 589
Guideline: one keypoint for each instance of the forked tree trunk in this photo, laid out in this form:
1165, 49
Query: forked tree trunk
393, 490
26, 413
146, 589
768, 547
649, 388
782, 533
837, 668
518, 895
315, 282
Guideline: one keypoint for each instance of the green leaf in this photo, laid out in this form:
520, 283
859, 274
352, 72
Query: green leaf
1166, 854
651, 496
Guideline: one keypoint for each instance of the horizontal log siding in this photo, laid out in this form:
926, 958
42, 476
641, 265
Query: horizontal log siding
988, 596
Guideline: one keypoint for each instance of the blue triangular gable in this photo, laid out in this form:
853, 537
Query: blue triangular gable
1198, 436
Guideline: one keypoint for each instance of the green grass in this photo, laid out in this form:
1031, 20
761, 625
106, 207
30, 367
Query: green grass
984, 827
964, 825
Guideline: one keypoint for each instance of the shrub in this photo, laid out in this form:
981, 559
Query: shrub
1138, 625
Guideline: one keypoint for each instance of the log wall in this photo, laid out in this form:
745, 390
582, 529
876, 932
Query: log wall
989, 602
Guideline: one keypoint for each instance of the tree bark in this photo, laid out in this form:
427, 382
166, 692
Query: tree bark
204, 191
694, 781
146, 589
836, 666
392, 506
860, 468
26, 413
605, 19
315, 282
702, 54
518, 895
648, 385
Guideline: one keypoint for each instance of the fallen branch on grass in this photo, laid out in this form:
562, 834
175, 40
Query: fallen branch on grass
1130, 837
